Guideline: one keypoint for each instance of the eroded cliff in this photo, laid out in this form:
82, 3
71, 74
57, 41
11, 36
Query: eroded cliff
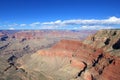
96, 58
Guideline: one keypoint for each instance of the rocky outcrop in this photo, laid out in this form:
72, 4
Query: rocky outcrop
3, 38
92, 59
112, 71
108, 40
48, 64
84, 61
4, 46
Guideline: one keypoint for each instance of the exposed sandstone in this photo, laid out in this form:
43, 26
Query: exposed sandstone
108, 40
75, 60
89, 63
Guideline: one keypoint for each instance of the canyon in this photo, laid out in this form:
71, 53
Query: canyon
60, 55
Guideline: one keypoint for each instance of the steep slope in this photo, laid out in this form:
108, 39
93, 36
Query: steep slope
20, 42
71, 60
29, 41
108, 40
56, 62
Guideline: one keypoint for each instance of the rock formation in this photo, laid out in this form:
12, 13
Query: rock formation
96, 58
26, 42
77, 61
108, 40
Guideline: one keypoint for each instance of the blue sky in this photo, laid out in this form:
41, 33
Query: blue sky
59, 14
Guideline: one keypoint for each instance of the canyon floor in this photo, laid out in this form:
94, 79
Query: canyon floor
60, 55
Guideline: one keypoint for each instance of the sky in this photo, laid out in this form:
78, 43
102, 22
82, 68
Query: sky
59, 14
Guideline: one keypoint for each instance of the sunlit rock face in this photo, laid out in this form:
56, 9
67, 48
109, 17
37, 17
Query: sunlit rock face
96, 58
108, 40
72, 60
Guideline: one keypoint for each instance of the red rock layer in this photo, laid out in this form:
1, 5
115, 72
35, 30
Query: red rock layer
99, 66
112, 72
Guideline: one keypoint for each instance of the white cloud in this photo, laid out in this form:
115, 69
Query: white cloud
97, 27
96, 23
52, 23
111, 20
12, 25
11, 28
35, 24
72, 24
22, 25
